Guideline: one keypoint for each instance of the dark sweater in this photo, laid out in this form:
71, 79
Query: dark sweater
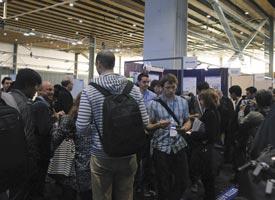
211, 120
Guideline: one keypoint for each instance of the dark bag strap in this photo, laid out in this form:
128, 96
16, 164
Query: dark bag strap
102, 90
128, 88
168, 110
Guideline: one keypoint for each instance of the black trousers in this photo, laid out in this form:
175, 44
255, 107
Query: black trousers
172, 174
202, 166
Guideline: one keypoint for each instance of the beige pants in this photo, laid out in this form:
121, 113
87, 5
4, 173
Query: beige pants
113, 179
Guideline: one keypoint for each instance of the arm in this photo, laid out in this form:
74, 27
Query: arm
84, 117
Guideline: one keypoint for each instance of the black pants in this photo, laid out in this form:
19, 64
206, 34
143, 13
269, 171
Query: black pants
171, 173
202, 166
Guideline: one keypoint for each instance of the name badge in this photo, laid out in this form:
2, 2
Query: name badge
173, 131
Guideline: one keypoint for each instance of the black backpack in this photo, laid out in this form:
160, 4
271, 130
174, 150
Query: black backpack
13, 148
123, 129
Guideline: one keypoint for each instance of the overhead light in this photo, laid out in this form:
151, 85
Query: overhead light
16, 40
74, 43
80, 21
117, 50
246, 13
79, 42
32, 33
70, 18
208, 16
241, 32
131, 34
5, 34
16, 18
76, 32
134, 25
26, 34
71, 4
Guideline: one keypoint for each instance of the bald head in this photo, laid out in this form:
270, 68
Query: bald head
46, 90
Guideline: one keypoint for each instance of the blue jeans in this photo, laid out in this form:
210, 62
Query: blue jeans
113, 178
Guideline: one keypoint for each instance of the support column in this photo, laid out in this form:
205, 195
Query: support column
14, 57
120, 64
271, 48
76, 65
92, 48
165, 31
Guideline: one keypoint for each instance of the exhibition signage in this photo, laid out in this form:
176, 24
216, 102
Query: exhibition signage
190, 62
234, 71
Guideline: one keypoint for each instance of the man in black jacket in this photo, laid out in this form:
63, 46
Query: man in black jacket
64, 98
43, 122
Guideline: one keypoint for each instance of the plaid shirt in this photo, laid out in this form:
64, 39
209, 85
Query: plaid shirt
161, 139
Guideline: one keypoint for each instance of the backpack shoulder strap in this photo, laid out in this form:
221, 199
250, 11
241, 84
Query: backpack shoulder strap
102, 90
128, 88
168, 109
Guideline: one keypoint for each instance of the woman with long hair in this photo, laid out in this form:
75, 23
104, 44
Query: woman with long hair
205, 136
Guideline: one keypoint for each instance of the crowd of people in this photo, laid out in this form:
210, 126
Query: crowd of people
186, 138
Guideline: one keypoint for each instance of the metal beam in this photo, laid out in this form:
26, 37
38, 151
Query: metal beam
250, 39
92, 48
271, 48
41, 9
216, 6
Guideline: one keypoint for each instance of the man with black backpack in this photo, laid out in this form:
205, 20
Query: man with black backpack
18, 148
113, 111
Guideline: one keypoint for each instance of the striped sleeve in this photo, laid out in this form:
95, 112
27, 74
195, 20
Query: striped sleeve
84, 117
139, 99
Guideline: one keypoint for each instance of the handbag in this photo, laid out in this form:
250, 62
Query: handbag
63, 158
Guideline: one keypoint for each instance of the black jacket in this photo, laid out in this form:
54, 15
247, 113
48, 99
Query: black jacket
64, 101
42, 117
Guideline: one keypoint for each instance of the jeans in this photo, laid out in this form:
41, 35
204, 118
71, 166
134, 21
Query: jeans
113, 178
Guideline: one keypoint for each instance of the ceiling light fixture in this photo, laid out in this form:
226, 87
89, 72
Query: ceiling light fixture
76, 32
208, 16
246, 13
80, 21
134, 25
74, 43
131, 34
5, 34
32, 34
16, 40
71, 4
79, 42
241, 32
16, 18
70, 18
26, 34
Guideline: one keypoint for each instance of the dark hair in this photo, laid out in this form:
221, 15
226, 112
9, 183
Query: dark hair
155, 83
74, 110
27, 78
170, 78
106, 58
236, 90
203, 86
141, 75
251, 90
65, 83
210, 98
57, 89
6, 79
263, 98
273, 91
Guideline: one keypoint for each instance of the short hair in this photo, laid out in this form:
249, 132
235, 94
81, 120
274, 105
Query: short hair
65, 83
273, 91
203, 86
6, 79
106, 58
236, 89
251, 90
263, 98
210, 98
155, 83
170, 78
141, 75
27, 78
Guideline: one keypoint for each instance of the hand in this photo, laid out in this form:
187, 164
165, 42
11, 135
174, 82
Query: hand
242, 108
186, 127
163, 123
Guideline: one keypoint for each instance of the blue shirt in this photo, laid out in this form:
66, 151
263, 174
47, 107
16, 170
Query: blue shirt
148, 96
162, 140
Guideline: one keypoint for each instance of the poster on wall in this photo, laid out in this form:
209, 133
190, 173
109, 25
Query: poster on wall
78, 87
153, 77
189, 85
214, 82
